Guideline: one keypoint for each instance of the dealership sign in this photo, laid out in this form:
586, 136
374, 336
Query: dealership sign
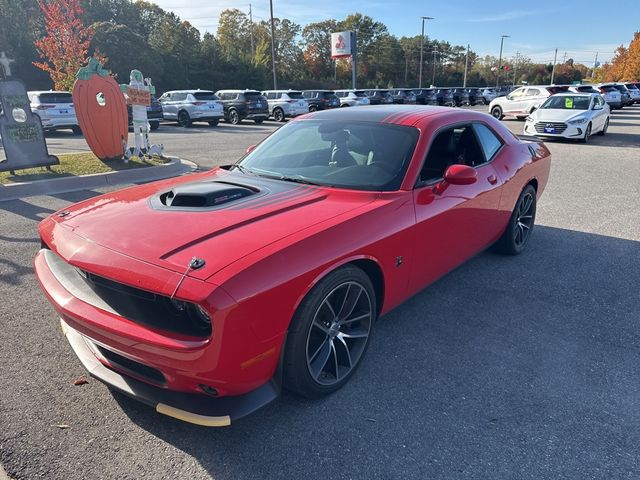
341, 45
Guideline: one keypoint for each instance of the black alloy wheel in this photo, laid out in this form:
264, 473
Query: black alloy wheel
330, 333
516, 237
184, 120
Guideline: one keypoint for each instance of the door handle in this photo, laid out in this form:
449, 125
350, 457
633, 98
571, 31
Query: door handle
492, 179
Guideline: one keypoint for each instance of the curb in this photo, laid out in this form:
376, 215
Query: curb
174, 168
3, 474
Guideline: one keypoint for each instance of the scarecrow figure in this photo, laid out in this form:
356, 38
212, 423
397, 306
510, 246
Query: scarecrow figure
139, 91
6, 64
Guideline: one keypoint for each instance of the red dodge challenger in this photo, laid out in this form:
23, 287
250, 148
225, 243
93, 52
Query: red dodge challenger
203, 295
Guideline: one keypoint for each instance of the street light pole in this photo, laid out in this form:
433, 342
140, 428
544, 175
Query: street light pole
553, 70
433, 80
273, 47
466, 66
421, 48
500, 59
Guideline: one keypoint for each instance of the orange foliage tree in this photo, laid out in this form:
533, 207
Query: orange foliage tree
65, 46
625, 65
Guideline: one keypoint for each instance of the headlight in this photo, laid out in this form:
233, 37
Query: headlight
199, 317
577, 121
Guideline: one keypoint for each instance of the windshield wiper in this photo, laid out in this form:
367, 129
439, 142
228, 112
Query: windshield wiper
300, 180
244, 169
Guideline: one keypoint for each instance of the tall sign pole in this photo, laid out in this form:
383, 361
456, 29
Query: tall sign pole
433, 79
466, 66
553, 70
273, 47
515, 67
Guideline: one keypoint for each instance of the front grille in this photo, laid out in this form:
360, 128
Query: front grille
127, 366
559, 127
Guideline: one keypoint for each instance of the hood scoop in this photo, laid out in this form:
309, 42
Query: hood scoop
202, 196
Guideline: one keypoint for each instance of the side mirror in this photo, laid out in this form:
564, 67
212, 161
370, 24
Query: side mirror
533, 109
250, 149
460, 175
598, 107
509, 97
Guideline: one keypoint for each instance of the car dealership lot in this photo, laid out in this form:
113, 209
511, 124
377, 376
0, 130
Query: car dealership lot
520, 367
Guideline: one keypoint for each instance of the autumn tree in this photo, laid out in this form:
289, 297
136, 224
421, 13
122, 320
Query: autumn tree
65, 46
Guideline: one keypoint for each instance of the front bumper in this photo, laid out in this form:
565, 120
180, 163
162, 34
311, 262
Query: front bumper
571, 132
205, 115
51, 123
198, 409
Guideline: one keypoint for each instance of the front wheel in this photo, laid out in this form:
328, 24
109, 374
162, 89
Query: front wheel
515, 238
603, 132
496, 112
154, 126
329, 333
312, 108
587, 134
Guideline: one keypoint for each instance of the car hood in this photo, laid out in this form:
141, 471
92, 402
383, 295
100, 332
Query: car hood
135, 221
557, 114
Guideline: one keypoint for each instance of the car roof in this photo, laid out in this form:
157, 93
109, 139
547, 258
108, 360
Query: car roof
575, 94
396, 114
189, 91
293, 90
246, 90
38, 92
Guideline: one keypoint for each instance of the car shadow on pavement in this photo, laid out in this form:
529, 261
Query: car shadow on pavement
609, 140
521, 364
28, 209
242, 128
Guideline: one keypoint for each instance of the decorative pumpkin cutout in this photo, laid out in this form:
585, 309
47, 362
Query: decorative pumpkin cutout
101, 111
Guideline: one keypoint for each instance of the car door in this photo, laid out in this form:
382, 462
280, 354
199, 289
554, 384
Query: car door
514, 102
455, 222
599, 113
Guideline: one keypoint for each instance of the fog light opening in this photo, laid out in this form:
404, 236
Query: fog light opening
209, 390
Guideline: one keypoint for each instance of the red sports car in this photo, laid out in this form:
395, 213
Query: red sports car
203, 295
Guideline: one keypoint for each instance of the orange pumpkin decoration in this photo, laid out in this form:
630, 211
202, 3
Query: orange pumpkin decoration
101, 110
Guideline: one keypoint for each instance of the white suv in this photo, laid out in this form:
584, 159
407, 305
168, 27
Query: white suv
352, 98
55, 110
522, 101
286, 103
187, 106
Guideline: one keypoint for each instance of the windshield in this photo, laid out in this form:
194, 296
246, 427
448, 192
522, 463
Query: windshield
55, 98
360, 93
295, 95
567, 103
338, 153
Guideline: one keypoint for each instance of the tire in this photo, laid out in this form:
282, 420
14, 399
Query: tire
278, 115
344, 105
322, 353
154, 126
603, 132
234, 117
496, 112
184, 120
213, 123
313, 108
76, 130
516, 237
587, 134
258, 121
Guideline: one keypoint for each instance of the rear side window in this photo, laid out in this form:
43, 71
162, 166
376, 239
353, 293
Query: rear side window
295, 95
532, 92
55, 98
253, 96
178, 97
488, 140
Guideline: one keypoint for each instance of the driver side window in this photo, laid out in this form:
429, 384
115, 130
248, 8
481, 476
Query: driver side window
452, 146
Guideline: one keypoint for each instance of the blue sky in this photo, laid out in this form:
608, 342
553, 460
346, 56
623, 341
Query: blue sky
579, 28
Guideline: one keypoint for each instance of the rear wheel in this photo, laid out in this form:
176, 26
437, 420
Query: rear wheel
329, 333
184, 120
278, 115
603, 132
515, 238
154, 125
496, 112
76, 130
234, 117
312, 108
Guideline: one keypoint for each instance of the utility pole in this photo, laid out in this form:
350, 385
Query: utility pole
354, 57
273, 46
553, 70
406, 68
433, 79
500, 59
515, 68
253, 52
564, 58
595, 64
466, 66
421, 49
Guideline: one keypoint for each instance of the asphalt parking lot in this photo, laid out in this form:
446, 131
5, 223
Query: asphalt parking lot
507, 368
